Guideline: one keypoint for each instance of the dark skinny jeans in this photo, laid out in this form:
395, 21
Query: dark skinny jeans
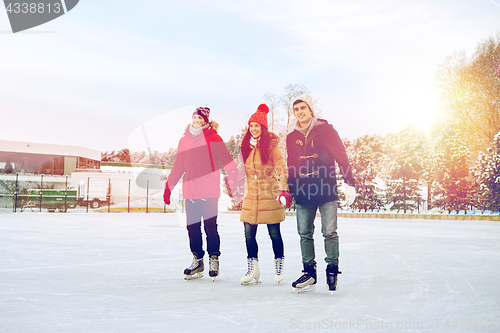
274, 234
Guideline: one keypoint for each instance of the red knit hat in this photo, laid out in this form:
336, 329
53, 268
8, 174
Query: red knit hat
260, 116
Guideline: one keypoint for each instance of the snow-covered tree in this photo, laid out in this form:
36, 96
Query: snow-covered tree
453, 185
234, 143
107, 156
292, 91
168, 157
403, 167
471, 89
487, 174
272, 101
365, 154
283, 104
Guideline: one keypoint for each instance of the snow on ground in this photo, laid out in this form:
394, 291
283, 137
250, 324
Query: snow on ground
123, 273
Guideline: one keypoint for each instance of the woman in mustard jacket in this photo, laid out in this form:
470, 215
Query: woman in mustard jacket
266, 184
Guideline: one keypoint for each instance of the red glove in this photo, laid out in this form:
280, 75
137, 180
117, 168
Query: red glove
166, 195
287, 196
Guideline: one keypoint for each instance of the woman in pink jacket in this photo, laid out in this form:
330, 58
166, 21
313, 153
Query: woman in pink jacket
200, 153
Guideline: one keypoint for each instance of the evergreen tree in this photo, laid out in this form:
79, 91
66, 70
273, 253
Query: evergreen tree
365, 154
405, 155
487, 174
452, 178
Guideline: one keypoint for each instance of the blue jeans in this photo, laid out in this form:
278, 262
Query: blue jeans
206, 210
274, 234
305, 226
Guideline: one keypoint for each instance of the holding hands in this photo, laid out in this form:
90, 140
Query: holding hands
285, 198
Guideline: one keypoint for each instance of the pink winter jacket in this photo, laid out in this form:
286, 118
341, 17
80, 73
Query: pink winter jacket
199, 159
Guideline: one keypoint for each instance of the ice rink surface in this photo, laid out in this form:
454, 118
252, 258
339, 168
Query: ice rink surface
124, 273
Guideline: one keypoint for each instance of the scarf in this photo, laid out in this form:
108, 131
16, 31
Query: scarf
197, 131
254, 141
307, 129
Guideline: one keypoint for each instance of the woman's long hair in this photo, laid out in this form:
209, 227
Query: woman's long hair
265, 139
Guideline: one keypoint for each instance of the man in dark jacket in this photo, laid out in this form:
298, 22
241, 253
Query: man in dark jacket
313, 149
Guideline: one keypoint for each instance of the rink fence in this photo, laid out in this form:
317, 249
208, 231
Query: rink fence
84, 193
123, 193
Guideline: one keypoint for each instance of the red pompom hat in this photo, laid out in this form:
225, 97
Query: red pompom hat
260, 116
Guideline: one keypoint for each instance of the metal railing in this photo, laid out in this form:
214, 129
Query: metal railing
42, 193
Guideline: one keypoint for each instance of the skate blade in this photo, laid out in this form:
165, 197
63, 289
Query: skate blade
194, 276
331, 290
250, 283
213, 276
304, 290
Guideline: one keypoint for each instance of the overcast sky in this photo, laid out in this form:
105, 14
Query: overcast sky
93, 76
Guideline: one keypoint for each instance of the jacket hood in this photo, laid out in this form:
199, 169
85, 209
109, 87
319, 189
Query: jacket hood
274, 140
321, 122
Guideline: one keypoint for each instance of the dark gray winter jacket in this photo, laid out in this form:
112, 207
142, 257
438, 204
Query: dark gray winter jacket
311, 164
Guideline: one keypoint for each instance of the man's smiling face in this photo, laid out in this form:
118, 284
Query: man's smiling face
302, 113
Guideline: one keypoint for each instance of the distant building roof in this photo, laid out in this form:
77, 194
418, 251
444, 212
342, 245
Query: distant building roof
49, 149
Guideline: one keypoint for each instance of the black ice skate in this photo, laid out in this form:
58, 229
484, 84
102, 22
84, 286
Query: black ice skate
213, 266
195, 271
307, 282
331, 277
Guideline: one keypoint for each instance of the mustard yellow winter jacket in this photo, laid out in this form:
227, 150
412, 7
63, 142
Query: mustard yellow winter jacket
263, 183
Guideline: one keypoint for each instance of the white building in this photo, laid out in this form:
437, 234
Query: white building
46, 159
